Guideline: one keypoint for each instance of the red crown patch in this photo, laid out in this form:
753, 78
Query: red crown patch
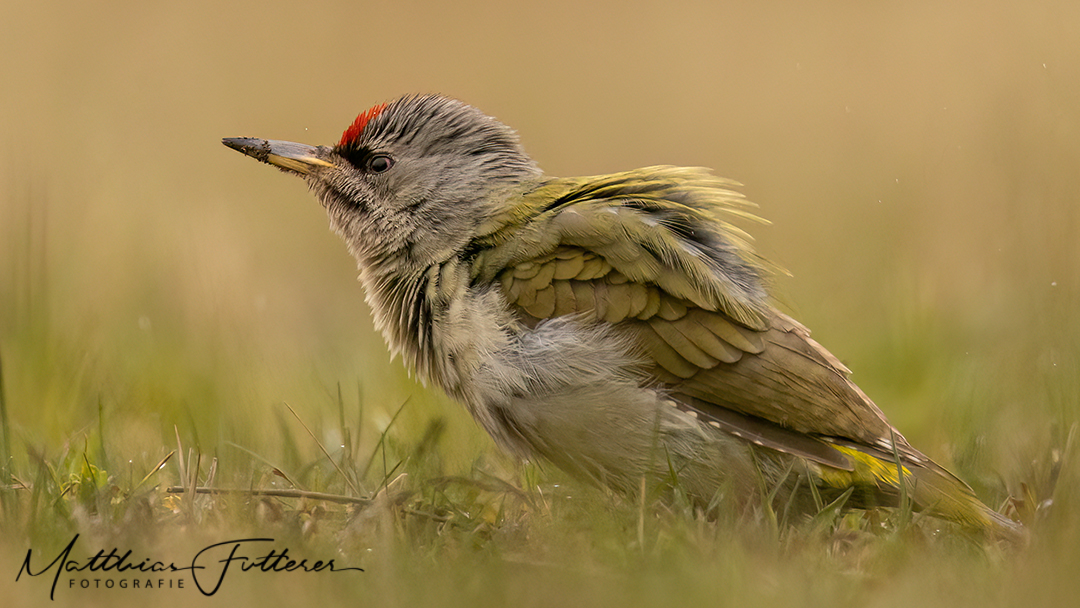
357, 127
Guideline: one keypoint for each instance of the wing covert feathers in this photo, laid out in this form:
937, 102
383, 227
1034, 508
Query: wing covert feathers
663, 226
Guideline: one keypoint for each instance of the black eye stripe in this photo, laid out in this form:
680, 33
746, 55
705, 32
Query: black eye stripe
357, 157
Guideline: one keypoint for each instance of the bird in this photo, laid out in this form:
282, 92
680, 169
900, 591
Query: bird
618, 326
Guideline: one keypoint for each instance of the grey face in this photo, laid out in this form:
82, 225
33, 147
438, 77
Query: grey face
419, 176
409, 181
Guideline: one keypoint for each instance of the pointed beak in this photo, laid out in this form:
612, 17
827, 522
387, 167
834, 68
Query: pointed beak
298, 158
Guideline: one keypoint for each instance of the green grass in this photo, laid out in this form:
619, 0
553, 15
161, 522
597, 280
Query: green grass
437, 518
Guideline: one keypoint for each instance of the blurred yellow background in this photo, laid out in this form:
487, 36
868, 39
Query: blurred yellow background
919, 163
919, 160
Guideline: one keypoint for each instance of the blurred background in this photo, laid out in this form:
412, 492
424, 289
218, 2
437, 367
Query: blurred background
920, 165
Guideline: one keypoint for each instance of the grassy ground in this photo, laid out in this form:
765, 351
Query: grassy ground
163, 300
451, 524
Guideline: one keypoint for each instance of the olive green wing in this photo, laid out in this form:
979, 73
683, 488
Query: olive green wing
776, 387
651, 255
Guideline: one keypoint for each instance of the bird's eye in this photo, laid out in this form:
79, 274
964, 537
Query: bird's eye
379, 163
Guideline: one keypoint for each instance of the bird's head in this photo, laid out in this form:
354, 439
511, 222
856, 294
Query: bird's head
411, 181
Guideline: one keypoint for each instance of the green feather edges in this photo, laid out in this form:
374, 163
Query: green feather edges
658, 225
